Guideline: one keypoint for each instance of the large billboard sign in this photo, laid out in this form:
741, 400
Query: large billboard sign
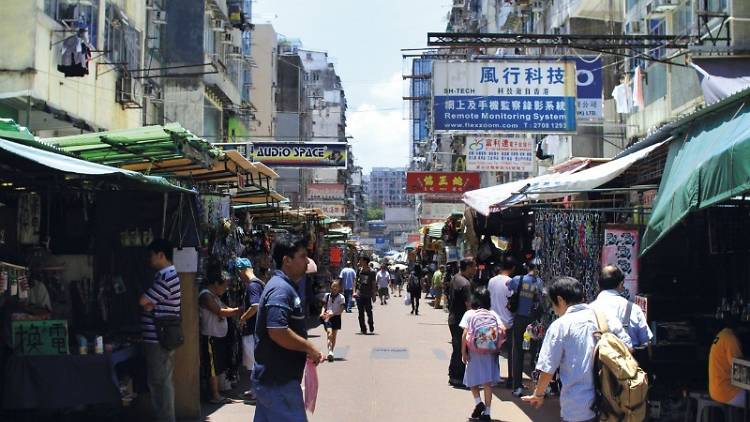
307, 155
441, 182
325, 192
531, 96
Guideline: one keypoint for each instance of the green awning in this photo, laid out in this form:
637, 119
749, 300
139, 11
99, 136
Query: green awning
435, 230
708, 166
138, 145
10, 130
71, 165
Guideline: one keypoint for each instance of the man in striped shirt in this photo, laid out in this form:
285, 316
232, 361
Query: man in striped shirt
160, 300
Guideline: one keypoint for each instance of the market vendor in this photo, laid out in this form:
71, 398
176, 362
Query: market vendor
726, 346
39, 295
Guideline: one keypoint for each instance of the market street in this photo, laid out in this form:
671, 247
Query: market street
398, 374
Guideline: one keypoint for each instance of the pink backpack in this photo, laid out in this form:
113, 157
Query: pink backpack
484, 333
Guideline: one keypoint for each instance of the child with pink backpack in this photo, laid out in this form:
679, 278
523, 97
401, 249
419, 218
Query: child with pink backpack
483, 336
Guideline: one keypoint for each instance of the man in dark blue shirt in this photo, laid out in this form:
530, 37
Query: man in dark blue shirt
281, 345
253, 291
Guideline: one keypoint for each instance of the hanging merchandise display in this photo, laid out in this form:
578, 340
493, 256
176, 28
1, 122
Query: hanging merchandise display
29, 218
569, 244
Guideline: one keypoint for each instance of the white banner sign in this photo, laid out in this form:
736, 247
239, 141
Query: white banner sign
330, 209
500, 153
440, 210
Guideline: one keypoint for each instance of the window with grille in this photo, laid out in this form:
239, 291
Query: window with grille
75, 14
122, 42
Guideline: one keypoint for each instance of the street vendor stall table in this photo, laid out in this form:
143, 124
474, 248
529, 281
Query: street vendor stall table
59, 382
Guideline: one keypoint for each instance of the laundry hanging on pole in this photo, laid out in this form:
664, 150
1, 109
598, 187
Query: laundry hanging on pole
76, 54
638, 89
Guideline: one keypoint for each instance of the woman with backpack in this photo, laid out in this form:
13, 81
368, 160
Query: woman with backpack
483, 336
414, 288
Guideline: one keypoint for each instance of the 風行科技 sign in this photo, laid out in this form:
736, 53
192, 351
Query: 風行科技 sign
504, 96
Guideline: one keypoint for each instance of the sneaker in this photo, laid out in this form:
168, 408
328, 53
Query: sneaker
372, 330
330, 356
518, 392
363, 331
484, 417
478, 410
249, 394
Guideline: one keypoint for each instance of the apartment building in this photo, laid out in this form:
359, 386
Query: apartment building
387, 187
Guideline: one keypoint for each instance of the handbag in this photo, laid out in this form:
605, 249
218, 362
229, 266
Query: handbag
169, 332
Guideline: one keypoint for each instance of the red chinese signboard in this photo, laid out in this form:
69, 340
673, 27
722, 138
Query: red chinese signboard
441, 182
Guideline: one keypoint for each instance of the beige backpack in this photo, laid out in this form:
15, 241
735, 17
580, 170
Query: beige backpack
621, 384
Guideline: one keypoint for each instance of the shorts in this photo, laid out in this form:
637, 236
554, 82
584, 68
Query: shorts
383, 291
333, 323
248, 351
213, 355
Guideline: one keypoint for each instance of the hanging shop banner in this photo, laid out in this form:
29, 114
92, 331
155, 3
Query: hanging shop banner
335, 256
536, 96
621, 249
441, 182
331, 210
589, 88
500, 153
325, 191
307, 155
440, 210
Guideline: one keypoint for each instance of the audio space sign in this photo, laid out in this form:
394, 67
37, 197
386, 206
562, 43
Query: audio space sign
307, 155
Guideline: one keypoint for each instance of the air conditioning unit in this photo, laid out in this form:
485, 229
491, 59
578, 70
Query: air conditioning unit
662, 6
160, 17
217, 25
128, 91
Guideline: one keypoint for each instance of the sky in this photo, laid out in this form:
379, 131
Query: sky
364, 39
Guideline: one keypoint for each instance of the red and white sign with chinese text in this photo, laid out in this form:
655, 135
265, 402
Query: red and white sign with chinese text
500, 153
441, 182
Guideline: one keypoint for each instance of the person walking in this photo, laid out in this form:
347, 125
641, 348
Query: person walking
459, 303
330, 316
414, 288
525, 304
281, 345
398, 280
437, 287
482, 369
365, 291
568, 346
347, 277
161, 300
499, 288
253, 290
213, 328
383, 278
611, 302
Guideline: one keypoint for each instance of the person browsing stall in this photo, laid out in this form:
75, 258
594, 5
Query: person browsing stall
499, 287
214, 327
725, 347
281, 345
162, 299
253, 291
569, 346
459, 303
611, 301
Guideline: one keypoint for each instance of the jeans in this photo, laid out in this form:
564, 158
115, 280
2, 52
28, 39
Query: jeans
457, 367
364, 304
348, 298
160, 367
281, 402
517, 360
415, 303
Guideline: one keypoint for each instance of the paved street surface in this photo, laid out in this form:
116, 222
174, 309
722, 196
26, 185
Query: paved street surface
398, 374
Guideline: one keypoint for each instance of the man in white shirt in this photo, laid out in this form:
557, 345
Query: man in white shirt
611, 302
383, 278
499, 287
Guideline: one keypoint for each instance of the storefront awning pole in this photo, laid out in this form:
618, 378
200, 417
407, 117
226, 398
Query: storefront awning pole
164, 215
601, 190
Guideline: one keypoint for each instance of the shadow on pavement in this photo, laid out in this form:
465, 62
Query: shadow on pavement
550, 411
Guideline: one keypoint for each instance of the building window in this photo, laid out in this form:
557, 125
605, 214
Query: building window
657, 27
121, 41
75, 14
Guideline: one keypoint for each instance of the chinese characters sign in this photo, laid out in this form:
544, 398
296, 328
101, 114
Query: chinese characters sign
40, 338
507, 153
621, 249
437, 182
325, 191
506, 96
308, 155
331, 210
589, 87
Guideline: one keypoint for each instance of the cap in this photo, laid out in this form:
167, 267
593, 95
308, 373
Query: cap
243, 263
